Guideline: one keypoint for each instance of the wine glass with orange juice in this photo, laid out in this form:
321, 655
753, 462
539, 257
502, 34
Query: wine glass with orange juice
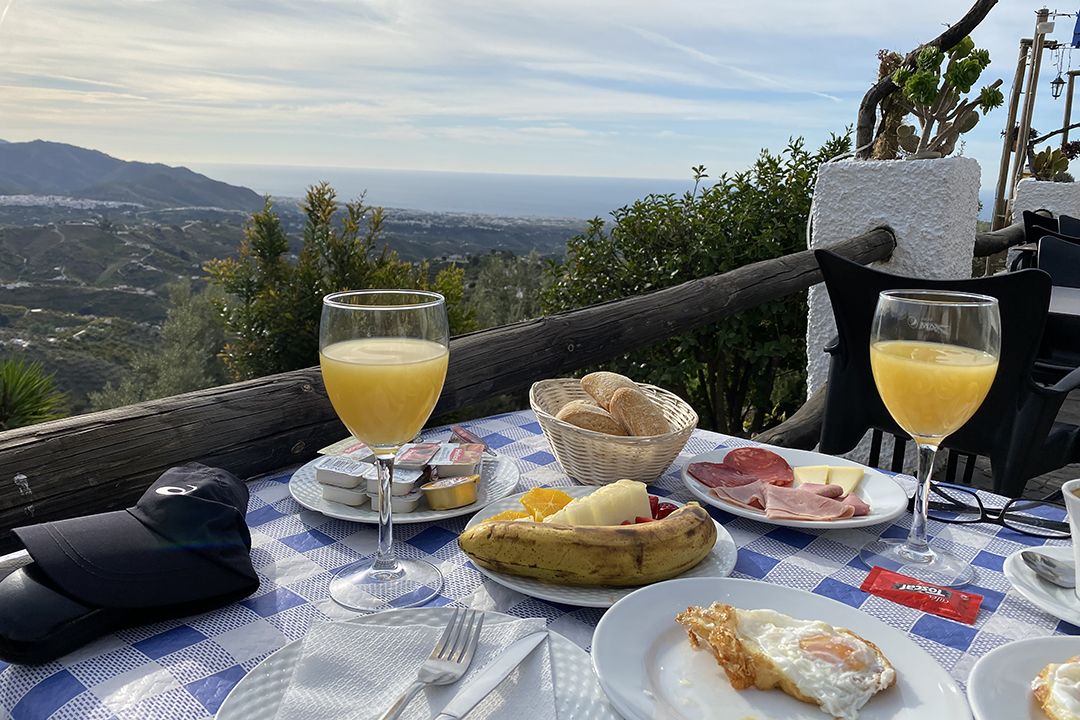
934, 356
384, 355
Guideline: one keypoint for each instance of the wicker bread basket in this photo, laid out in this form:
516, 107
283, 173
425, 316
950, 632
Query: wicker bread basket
595, 458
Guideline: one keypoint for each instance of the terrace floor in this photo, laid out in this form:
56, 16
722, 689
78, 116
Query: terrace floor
1043, 485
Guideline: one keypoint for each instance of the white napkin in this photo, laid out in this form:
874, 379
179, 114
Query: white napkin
349, 671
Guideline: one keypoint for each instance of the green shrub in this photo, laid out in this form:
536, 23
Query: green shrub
186, 359
28, 395
745, 372
273, 305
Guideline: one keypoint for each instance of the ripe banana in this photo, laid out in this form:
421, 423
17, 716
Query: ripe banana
614, 556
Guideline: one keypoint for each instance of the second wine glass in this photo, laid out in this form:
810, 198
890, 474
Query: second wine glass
384, 355
934, 356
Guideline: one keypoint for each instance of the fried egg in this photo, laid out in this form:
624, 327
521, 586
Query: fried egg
1057, 690
808, 659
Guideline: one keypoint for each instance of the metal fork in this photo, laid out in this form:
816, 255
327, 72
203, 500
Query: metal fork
448, 661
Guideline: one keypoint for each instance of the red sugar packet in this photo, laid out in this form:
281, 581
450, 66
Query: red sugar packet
933, 599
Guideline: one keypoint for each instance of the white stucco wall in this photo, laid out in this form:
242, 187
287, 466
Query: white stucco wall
931, 205
1058, 198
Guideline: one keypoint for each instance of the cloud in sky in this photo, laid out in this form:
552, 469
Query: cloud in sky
610, 87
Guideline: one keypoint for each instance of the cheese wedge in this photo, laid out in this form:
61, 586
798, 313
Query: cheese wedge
818, 474
610, 505
846, 477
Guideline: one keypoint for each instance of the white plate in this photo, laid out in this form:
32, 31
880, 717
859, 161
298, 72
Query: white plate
999, 687
1060, 602
498, 478
887, 499
577, 694
648, 669
719, 563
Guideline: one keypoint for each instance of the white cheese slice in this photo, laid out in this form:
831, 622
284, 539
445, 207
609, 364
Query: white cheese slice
811, 474
609, 505
846, 477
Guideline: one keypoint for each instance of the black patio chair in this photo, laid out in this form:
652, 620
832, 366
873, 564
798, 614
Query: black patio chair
1068, 225
1061, 260
1015, 427
1035, 226
1059, 352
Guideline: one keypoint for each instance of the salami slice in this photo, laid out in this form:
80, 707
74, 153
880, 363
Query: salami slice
718, 475
760, 464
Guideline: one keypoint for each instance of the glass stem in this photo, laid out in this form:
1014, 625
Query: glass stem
384, 561
916, 541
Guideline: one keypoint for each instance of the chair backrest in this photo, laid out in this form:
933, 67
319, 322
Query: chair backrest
1068, 225
1035, 225
852, 404
1061, 259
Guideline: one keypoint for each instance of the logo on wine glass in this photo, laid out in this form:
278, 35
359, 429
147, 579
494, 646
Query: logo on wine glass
919, 324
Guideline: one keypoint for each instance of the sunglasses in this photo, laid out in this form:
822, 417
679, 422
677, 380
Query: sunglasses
1035, 518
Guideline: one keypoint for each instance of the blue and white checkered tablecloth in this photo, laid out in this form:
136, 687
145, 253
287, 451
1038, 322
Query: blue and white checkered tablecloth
183, 670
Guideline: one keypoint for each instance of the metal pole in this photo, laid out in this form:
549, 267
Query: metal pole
1029, 101
997, 220
1068, 108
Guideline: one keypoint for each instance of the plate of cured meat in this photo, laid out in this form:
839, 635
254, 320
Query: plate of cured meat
795, 488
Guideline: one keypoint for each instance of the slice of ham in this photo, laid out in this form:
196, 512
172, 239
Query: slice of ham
783, 503
761, 464
751, 495
718, 475
861, 508
829, 491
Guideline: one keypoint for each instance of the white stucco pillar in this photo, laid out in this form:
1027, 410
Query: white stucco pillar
931, 205
1058, 198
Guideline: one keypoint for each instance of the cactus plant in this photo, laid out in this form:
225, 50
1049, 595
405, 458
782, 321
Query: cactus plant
937, 99
1050, 164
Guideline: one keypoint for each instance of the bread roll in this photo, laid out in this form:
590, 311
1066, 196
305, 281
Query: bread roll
632, 409
602, 385
586, 415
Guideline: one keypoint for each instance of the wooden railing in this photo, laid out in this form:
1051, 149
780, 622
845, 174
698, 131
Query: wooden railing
103, 461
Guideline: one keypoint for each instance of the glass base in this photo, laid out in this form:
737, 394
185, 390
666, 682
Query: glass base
407, 583
932, 566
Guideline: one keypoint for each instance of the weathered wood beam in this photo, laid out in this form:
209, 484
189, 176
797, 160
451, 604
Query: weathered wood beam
995, 241
802, 429
102, 461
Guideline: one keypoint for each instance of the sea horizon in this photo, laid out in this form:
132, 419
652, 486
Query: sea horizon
516, 195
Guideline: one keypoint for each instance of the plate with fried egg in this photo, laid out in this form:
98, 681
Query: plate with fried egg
744, 649
1033, 679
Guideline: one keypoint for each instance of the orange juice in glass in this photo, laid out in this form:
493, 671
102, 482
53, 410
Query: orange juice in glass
384, 389
384, 355
931, 389
934, 356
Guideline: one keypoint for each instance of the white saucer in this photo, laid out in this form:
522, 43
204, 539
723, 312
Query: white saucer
999, 687
1060, 602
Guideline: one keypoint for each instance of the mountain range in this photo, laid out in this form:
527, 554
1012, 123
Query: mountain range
49, 168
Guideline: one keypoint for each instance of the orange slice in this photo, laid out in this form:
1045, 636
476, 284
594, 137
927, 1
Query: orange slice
509, 515
542, 502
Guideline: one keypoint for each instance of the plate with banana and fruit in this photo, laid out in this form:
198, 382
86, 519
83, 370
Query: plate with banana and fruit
591, 546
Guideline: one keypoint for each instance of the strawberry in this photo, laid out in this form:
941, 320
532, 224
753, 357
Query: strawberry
640, 519
664, 509
654, 503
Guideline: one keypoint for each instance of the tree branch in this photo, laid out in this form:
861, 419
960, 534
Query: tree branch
864, 128
1047, 136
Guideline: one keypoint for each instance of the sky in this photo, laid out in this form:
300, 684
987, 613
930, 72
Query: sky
618, 88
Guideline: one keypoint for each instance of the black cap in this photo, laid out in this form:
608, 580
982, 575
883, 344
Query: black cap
186, 539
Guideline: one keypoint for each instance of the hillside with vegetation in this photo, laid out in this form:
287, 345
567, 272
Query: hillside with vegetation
87, 285
49, 168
